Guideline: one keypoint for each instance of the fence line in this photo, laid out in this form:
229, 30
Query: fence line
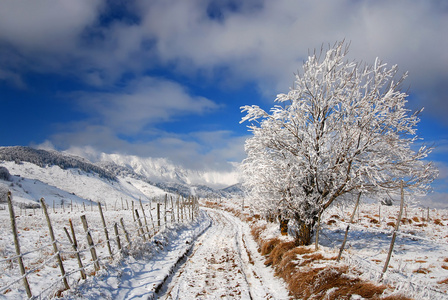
61, 246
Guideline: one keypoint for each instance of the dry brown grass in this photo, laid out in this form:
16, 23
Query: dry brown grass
289, 263
256, 232
421, 225
317, 282
438, 222
269, 245
406, 221
392, 224
444, 281
445, 267
294, 265
422, 271
373, 221
416, 219
257, 217
278, 251
331, 222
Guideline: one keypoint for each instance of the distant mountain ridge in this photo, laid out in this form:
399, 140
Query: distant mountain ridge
156, 172
44, 158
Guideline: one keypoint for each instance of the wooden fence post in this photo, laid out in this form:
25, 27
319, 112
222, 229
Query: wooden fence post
17, 245
394, 235
90, 242
173, 218
144, 217
126, 234
152, 220
140, 225
55, 246
164, 214
158, 216
106, 233
74, 243
348, 227
133, 214
178, 198
118, 237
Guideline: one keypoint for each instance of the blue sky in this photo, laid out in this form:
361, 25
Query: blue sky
167, 78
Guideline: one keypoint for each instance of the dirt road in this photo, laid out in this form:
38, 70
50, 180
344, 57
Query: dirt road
224, 263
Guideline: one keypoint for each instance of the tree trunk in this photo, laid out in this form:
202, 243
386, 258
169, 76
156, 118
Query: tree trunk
303, 237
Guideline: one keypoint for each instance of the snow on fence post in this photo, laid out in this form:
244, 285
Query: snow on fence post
55, 246
74, 243
178, 215
17, 246
140, 225
394, 235
117, 236
348, 227
158, 216
164, 214
126, 234
379, 212
106, 233
90, 242
152, 220
133, 213
173, 217
191, 207
144, 217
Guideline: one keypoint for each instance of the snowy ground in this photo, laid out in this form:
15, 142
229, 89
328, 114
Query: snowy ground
212, 257
225, 264
419, 263
216, 257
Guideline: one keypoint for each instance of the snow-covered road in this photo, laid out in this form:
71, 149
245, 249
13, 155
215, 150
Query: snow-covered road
224, 263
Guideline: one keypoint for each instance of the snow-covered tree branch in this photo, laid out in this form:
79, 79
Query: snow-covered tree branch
343, 128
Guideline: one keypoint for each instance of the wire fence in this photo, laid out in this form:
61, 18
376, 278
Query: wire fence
67, 244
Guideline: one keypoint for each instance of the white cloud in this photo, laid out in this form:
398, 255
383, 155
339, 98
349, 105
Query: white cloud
187, 149
259, 41
144, 102
47, 25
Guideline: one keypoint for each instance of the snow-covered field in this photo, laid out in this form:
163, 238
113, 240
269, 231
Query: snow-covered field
44, 275
420, 258
212, 257
419, 264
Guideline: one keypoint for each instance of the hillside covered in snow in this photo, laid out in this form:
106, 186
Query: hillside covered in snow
61, 177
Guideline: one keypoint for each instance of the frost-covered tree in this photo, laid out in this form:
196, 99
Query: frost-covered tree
342, 128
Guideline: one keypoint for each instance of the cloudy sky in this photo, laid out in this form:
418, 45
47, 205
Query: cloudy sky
165, 78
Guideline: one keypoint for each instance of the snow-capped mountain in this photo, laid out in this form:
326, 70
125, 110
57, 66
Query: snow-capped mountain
161, 170
60, 177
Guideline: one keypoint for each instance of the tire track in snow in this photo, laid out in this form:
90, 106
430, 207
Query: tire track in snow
221, 266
